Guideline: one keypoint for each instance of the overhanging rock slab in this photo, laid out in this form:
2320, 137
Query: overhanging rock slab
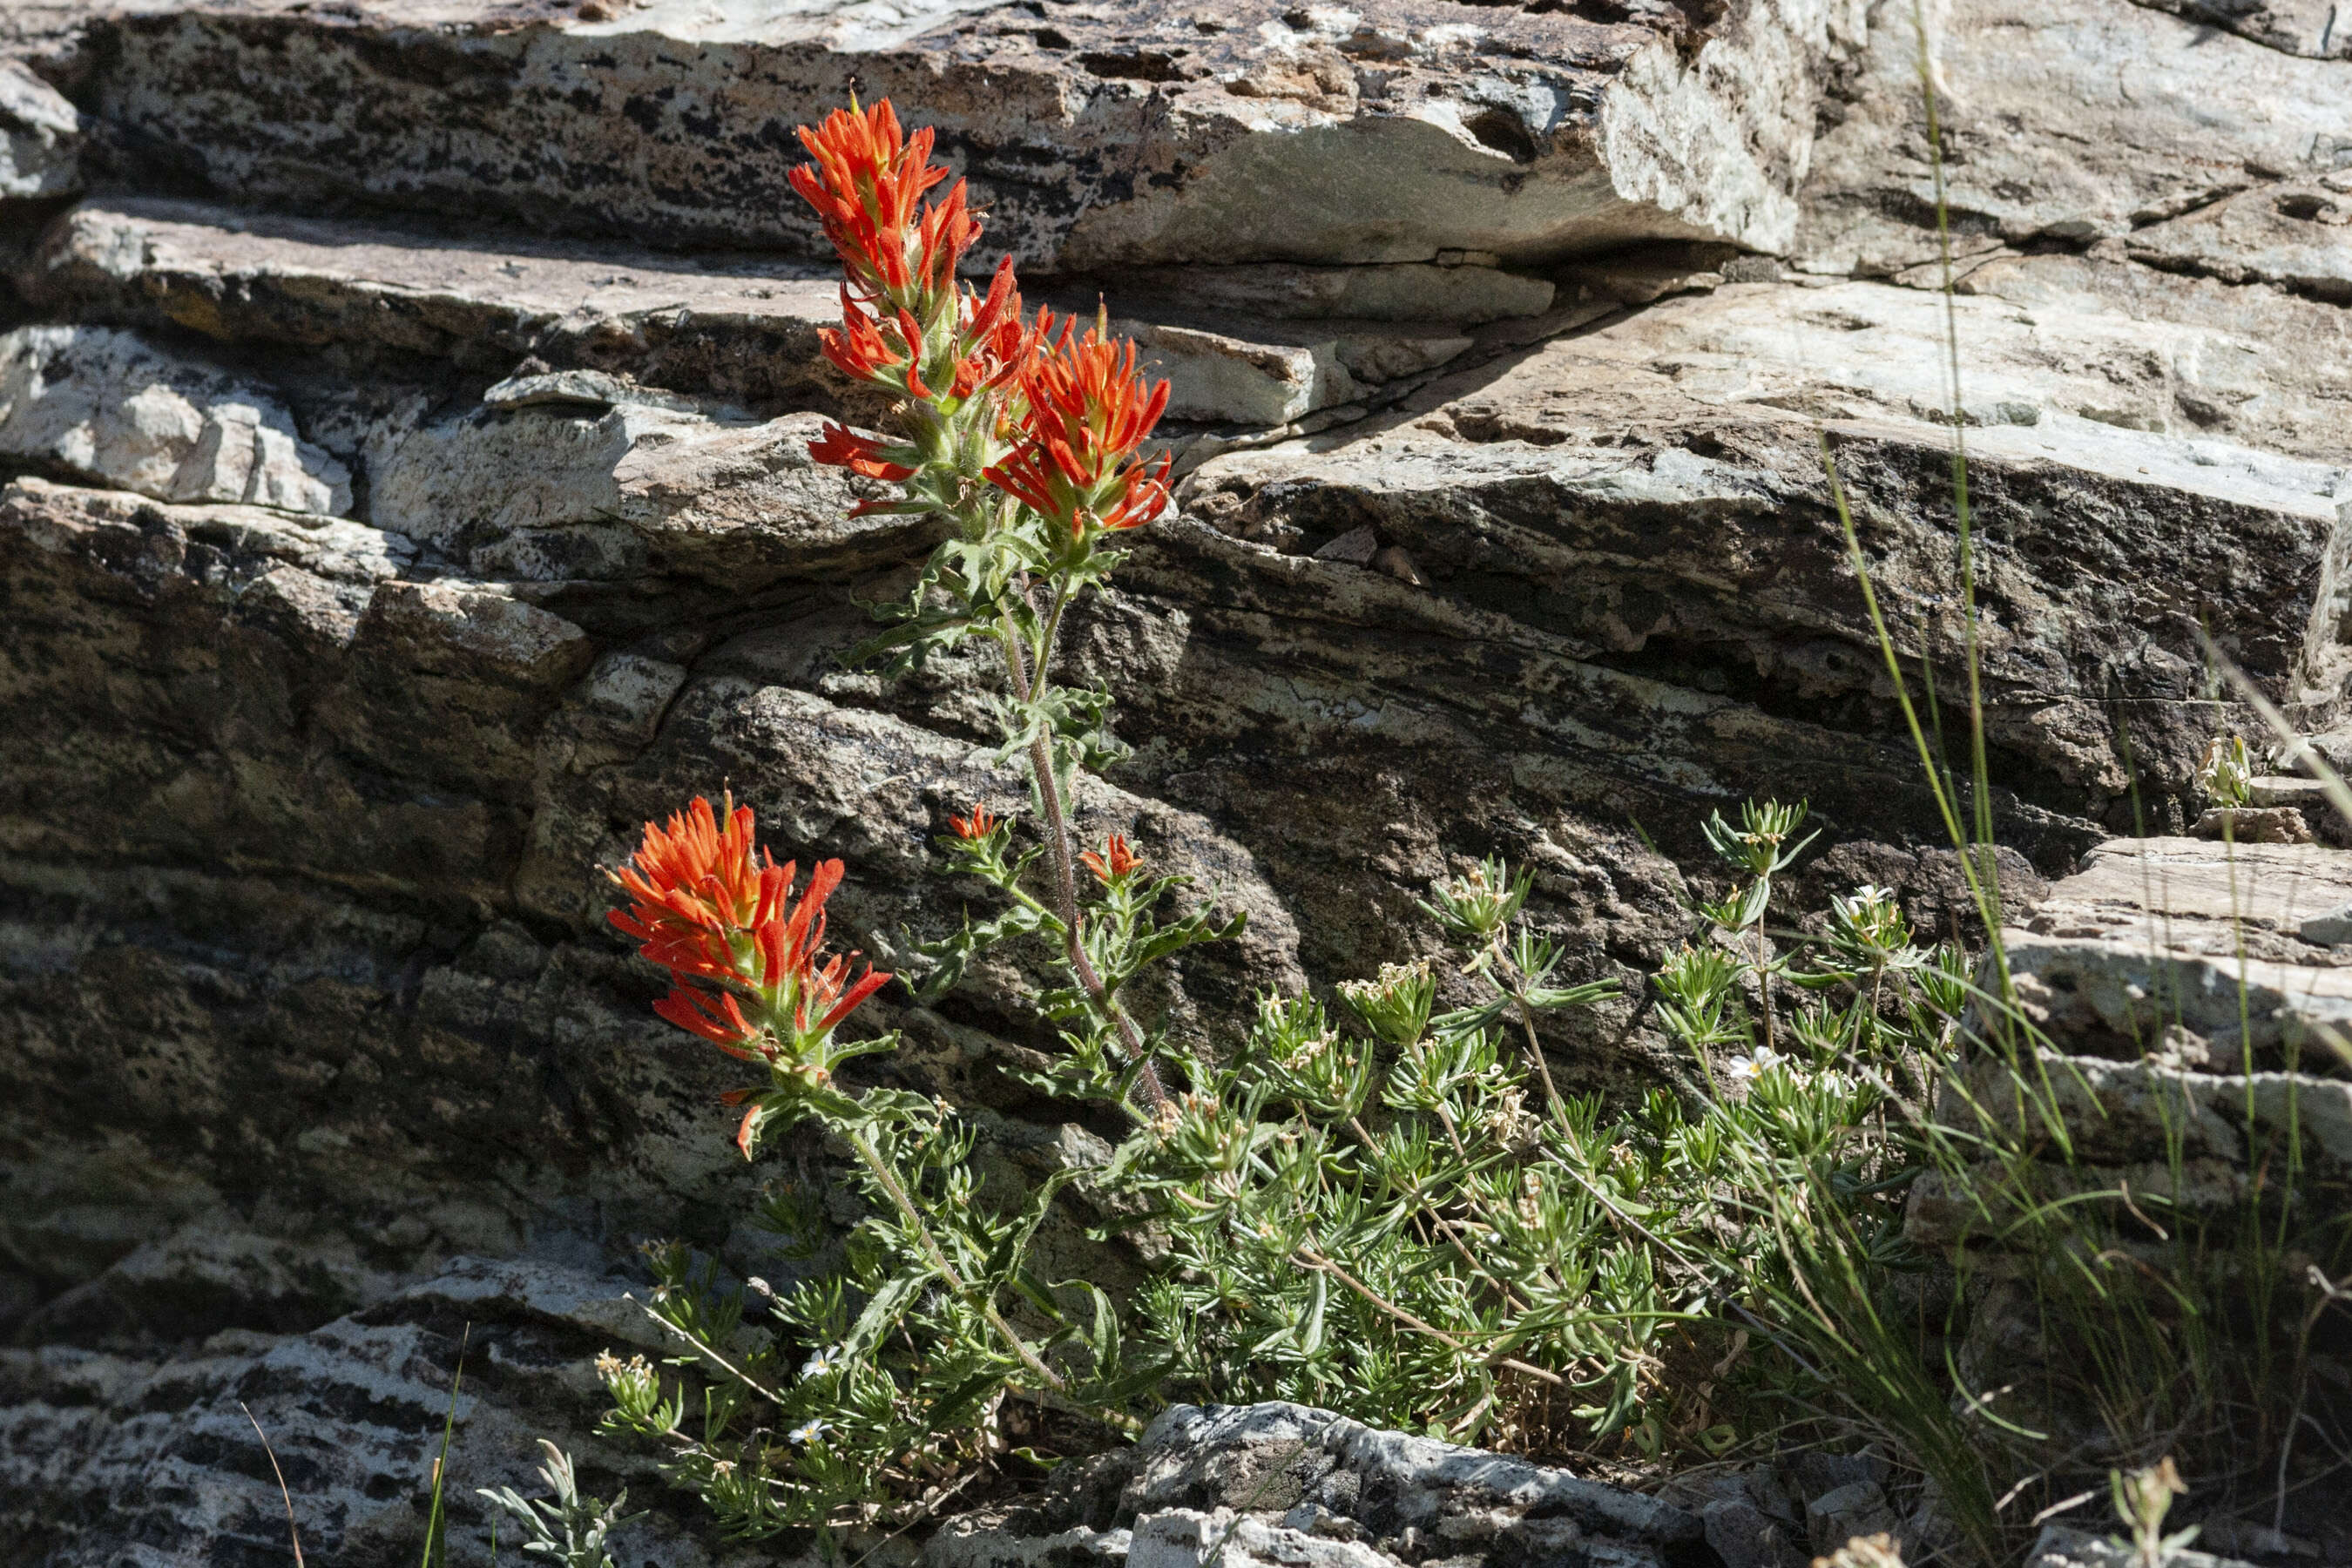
736, 326
1095, 135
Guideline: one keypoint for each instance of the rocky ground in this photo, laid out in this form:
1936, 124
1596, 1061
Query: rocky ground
1283, 1484
403, 408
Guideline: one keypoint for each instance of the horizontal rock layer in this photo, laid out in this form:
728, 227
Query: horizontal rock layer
101, 1447
2161, 975
407, 496
1098, 136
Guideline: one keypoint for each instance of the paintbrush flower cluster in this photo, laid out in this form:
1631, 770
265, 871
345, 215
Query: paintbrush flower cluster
1051, 418
746, 957
1386, 1207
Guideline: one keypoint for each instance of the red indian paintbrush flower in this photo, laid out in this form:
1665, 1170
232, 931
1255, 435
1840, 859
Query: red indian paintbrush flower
979, 825
863, 184
906, 324
1116, 861
1088, 410
693, 885
706, 909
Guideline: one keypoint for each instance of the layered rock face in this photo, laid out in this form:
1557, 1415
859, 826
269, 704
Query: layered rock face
2191, 998
405, 411
2194, 995
1266, 1484
1104, 135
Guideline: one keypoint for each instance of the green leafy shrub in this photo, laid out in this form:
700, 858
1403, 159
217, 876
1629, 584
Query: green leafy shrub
1364, 1204
563, 1525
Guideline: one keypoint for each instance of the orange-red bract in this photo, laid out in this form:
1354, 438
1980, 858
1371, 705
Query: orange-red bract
979, 825
845, 449
1088, 410
997, 342
1117, 859
821, 994
713, 1014
859, 349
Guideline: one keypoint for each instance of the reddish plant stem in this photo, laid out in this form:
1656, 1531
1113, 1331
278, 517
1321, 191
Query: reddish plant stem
1066, 881
1316, 1260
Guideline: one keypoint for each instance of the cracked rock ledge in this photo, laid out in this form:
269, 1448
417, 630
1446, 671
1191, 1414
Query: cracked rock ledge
404, 494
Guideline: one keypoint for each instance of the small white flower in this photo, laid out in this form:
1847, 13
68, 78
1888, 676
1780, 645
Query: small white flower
1749, 1068
809, 1431
829, 1359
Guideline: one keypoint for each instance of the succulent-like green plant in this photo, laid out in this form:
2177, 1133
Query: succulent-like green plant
2227, 773
565, 1526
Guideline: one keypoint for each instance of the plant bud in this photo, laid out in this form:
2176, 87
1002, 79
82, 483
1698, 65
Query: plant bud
1394, 1008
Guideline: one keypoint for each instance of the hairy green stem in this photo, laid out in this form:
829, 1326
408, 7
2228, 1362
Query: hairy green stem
1053, 631
1317, 1261
888, 1181
1528, 1022
1063, 861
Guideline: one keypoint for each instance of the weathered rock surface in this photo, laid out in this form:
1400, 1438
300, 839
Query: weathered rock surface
2247, 361
1669, 539
2286, 233
2195, 1019
1115, 135
101, 1448
405, 439
2306, 28
1460, 286
1267, 1484
2186, 1011
2048, 351
40, 136
566, 492
105, 406
2071, 125
734, 327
